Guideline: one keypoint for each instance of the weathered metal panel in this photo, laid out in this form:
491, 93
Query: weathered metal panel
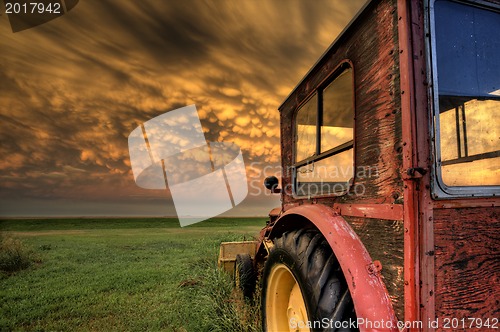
384, 241
419, 233
374, 211
229, 250
467, 263
371, 46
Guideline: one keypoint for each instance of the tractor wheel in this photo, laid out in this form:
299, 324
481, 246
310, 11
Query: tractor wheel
244, 275
303, 288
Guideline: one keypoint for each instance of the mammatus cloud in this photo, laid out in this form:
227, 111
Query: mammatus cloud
72, 90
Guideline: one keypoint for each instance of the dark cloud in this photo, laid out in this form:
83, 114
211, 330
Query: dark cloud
73, 89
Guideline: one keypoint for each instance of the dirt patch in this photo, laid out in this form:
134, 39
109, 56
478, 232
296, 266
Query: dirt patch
46, 233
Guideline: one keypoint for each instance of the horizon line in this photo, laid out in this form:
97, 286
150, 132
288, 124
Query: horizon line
117, 217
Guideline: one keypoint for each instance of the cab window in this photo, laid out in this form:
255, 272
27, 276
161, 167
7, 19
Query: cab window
467, 49
324, 138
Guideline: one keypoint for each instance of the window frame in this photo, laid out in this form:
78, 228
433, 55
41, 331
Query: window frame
440, 190
318, 155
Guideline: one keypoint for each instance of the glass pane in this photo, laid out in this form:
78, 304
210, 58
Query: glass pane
326, 176
476, 173
338, 112
467, 47
448, 128
470, 144
469, 93
305, 145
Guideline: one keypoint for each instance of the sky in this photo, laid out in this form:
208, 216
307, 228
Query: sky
74, 88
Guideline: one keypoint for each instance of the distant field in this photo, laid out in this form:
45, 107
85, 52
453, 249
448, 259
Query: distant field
122, 275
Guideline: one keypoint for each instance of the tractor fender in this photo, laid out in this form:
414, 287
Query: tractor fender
371, 299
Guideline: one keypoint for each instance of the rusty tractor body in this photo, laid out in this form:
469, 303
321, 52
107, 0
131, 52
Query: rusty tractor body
391, 170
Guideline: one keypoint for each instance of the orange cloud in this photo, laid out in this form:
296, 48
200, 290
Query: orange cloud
73, 89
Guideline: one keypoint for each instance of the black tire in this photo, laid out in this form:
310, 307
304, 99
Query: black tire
244, 275
308, 256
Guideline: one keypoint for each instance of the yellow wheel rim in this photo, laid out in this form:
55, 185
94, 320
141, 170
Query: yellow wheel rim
285, 307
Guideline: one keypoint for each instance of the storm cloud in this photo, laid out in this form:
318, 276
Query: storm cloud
72, 90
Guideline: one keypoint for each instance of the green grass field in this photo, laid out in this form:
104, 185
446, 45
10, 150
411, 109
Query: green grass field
124, 275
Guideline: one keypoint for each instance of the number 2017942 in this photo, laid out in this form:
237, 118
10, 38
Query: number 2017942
32, 8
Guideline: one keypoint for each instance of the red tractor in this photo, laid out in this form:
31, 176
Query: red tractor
391, 175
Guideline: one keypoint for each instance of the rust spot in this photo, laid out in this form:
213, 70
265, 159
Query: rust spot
352, 279
374, 268
462, 265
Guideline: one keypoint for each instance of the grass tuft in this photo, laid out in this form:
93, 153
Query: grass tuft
229, 310
14, 255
